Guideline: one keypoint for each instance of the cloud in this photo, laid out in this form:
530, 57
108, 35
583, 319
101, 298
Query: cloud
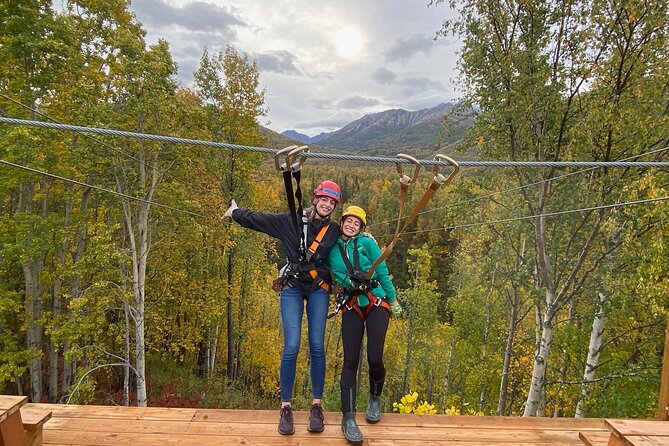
384, 76
405, 49
196, 16
280, 61
355, 102
321, 104
419, 84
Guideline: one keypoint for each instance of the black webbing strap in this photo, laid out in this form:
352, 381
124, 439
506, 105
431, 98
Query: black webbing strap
292, 172
356, 258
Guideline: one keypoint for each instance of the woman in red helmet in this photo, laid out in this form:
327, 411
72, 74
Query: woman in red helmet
369, 304
305, 277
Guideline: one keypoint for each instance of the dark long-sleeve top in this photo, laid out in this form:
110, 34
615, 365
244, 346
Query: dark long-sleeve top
280, 226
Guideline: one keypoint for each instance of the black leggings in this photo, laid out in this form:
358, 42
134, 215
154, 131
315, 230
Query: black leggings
352, 329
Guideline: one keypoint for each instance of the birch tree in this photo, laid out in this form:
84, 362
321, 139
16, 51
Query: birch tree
527, 65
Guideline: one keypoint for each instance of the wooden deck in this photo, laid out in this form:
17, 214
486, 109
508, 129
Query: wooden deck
133, 426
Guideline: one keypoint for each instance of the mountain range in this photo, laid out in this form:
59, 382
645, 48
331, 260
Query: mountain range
420, 133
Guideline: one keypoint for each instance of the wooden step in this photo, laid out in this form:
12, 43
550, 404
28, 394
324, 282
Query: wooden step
594, 438
33, 420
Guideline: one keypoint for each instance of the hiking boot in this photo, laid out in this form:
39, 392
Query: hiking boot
316, 419
373, 414
286, 421
350, 428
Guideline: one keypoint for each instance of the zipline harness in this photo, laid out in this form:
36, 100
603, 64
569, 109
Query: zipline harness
366, 283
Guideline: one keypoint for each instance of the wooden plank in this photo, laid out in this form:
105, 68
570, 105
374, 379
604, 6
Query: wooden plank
117, 412
180, 430
410, 420
374, 442
638, 427
33, 418
643, 440
594, 438
12, 403
81, 438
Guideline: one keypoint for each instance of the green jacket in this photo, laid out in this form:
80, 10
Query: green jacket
368, 251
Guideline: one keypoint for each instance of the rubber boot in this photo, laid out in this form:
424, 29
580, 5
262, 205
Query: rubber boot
350, 428
373, 413
348, 424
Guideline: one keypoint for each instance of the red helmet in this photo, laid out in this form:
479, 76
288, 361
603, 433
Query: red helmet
328, 189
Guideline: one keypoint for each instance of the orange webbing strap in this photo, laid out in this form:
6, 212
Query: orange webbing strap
373, 302
322, 283
405, 181
312, 249
317, 241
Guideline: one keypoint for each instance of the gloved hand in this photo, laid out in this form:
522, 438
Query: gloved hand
396, 308
228, 213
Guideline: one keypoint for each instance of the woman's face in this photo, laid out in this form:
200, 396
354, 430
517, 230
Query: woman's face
350, 226
324, 206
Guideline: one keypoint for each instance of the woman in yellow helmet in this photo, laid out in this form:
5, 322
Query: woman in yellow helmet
369, 304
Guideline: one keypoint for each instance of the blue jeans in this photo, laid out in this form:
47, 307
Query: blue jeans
292, 309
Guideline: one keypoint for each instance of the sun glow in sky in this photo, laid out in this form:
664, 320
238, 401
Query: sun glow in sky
349, 42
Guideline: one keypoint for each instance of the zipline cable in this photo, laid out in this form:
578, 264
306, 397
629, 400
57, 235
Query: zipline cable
102, 189
515, 188
85, 136
549, 214
332, 156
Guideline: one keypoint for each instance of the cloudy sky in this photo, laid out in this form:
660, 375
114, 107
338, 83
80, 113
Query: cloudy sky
323, 63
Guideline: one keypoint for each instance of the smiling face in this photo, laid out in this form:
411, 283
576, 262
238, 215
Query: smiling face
324, 206
350, 226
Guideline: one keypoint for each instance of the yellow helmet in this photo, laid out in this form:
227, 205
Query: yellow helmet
355, 211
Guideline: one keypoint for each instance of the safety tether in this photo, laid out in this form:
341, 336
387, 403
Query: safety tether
438, 181
291, 170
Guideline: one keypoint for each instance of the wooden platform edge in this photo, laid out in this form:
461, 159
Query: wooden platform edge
594, 438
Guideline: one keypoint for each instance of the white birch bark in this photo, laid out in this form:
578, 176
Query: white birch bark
594, 352
534, 395
136, 219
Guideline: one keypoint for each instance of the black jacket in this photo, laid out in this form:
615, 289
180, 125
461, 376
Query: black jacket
280, 226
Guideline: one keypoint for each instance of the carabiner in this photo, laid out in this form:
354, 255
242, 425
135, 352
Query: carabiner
277, 162
404, 179
438, 177
294, 167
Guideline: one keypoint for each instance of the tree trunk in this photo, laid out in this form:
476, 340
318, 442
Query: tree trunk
56, 300
508, 347
564, 363
486, 336
591, 363
69, 369
407, 362
447, 376
534, 396
126, 356
32, 268
137, 226
230, 320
